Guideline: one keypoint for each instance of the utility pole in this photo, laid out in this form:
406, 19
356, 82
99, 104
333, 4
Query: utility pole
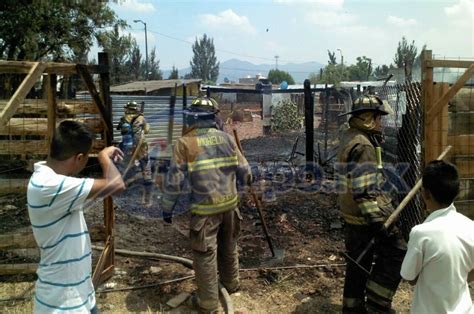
276, 62
146, 48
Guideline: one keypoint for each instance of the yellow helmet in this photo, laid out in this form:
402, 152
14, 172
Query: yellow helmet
132, 106
206, 103
369, 103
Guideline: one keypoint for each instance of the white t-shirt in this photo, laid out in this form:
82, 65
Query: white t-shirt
441, 254
64, 274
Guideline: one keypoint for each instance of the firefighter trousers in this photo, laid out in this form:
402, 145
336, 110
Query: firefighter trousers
372, 293
214, 244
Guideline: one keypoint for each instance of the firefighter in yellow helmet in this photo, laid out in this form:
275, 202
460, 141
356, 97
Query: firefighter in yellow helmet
207, 164
365, 206
133, 127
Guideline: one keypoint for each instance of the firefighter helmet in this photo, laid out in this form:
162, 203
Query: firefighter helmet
205, 103
366, 103
131, 105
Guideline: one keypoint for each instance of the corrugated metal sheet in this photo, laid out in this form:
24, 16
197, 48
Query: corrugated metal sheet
156, 113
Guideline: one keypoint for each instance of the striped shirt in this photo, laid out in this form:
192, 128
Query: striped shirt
55, 204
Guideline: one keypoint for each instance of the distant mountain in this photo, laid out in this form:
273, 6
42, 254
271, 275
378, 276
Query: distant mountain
234, 69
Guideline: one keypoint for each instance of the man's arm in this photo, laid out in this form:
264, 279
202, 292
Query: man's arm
112, 181
413, 261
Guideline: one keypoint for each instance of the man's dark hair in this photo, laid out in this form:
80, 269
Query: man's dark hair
70, 138
442, 180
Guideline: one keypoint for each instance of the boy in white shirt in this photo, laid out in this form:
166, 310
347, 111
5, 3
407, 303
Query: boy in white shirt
440, 256
55, 205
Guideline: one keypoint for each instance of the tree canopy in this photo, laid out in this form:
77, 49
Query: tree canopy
277, 76
204, 64
405, 57
51, 30
174, 74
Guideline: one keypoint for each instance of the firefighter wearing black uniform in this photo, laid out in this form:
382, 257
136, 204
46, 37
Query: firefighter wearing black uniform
365, 207
208, 162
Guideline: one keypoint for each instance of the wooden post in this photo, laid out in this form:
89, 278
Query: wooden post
171, 115
427, 98
33, 75
51, 81
443, 119
109, 214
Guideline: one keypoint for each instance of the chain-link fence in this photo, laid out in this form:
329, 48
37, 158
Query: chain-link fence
402, 147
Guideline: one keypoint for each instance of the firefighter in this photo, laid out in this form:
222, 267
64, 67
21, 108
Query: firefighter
365, 206
133, 127
207, 164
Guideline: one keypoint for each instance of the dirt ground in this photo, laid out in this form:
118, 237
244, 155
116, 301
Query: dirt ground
306, 225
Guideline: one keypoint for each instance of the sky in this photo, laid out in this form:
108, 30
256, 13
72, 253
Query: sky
300, 30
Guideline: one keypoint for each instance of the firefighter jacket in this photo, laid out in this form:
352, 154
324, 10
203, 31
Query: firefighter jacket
360, 194
137, 130
205, 168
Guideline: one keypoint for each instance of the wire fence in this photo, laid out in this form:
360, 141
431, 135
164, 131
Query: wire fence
403, 147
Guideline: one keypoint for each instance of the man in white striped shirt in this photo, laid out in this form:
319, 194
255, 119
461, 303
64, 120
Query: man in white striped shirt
55, 205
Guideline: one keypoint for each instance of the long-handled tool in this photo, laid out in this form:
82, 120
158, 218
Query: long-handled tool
277, 254
395, 214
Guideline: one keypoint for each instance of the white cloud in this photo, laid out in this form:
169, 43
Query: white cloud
334, 4
137, 6
227, 20
330, 18
400, 22
461, 13
460, 8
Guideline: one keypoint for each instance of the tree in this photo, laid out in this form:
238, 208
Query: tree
405, 57
277, 76
154, 67
51, 30
118, 48
382, 71
174, 74
204, 63
332, 57
362, 70
134, 63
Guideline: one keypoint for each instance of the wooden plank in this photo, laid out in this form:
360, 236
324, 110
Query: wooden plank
448, 63
51, 91
39, 126
107, 273
443, 120
106, 115
461, 123
25, 239
466, 190
465, 167
51, 67
8, 186
17, 240
20, 94
462, 144
465, 208
39, 107
36, 147
463, 100
436, 108
427, 98
14, 269
99, 267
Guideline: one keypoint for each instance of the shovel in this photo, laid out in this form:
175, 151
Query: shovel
277, 254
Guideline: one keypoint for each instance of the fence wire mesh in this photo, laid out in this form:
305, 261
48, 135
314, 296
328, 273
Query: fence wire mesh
403, 144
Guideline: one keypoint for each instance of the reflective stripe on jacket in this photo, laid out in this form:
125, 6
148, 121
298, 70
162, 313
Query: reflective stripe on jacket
360, 198
206, 165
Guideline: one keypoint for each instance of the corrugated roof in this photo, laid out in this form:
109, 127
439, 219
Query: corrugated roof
150, 86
